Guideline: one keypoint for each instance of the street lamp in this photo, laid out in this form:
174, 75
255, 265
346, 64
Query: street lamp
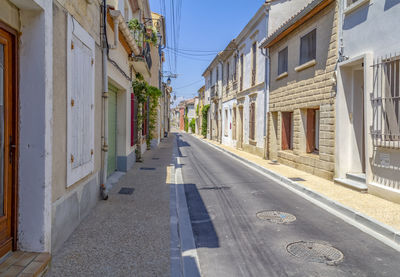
169, 81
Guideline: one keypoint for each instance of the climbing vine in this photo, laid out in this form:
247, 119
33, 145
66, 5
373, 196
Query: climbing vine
204, 113
192, 125
143, 92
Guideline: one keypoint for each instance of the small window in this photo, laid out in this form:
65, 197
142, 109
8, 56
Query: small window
312, 136
254, 62
308, 47
287, 131
283, 61
234, 67
241, 71
227, 73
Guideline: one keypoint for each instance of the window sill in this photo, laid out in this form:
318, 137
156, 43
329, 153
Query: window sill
281, 76
305, 65
355, 6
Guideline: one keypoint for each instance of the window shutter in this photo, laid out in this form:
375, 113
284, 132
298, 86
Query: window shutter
286, 130
310, 130
81, 105
80, 102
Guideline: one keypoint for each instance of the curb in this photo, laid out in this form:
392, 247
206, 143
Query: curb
184, 258
392, 236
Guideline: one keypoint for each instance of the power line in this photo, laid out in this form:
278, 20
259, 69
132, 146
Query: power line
191, 84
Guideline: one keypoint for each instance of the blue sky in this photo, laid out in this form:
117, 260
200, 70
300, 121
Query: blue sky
206, 26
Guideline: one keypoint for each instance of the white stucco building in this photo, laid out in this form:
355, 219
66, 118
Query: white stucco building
367, 101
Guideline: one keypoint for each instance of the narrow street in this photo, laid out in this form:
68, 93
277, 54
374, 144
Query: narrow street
224, 197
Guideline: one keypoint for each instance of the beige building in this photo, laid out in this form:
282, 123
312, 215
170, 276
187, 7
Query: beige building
301, 118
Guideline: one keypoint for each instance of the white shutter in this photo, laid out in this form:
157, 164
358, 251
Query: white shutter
80, 87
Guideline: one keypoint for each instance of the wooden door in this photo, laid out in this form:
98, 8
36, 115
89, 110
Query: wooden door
8, 139
112, 130
240, 143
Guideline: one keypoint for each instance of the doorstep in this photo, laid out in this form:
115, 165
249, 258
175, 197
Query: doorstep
25, 264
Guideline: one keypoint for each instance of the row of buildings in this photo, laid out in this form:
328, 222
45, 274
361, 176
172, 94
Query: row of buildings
69, 115
314, 85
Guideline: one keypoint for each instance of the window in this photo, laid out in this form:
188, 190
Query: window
241, 72
227, 73
312, 132
253, 71
234, 68
252, 121
80, 108
283, 61
386, 102
308, 45
287, 130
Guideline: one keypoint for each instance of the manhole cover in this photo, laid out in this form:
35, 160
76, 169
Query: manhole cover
276, 217
126, 191
315, 252
147, 168
155, 159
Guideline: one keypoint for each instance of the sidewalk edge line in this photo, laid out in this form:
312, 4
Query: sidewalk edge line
378, 230
187, 243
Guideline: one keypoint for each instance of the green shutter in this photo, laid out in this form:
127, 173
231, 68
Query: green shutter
112, 130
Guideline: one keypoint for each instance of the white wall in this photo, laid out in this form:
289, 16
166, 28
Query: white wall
372, 28
36, 112
228, 105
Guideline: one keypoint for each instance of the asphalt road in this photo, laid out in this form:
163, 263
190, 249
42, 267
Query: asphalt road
224, 196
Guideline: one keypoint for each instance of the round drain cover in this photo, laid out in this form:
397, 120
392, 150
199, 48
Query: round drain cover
276, 217
315, 252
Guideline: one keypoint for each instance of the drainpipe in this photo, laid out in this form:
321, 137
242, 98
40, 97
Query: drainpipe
266, 86
103, 189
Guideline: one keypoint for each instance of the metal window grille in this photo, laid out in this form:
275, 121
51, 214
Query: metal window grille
386, 102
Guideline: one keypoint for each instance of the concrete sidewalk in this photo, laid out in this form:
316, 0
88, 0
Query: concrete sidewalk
383, 211
127, 235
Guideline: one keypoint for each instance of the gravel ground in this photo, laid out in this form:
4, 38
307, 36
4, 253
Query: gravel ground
127, 235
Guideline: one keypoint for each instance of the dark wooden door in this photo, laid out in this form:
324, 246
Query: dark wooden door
7, 141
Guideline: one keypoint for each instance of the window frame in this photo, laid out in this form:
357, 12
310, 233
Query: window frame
254, 64
279, 61
314, 56
74, 29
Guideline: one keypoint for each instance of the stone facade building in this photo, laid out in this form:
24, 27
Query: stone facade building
301, 118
